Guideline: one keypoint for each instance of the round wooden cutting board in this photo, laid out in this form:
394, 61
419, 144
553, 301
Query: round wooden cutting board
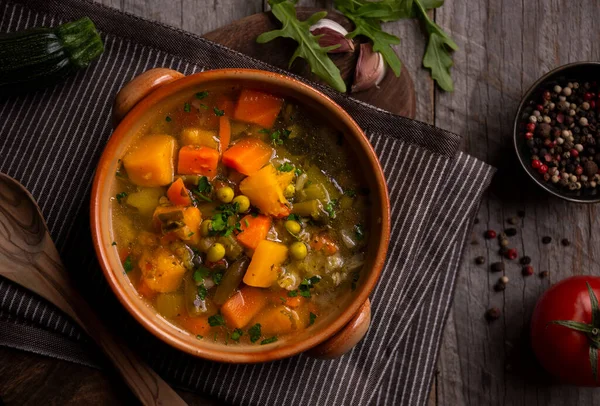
395, 94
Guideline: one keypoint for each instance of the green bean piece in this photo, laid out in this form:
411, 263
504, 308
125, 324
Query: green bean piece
312, 208
314, 191
233, 250
231, 280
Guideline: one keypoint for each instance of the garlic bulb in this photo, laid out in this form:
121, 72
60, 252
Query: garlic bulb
332, 33
370, 69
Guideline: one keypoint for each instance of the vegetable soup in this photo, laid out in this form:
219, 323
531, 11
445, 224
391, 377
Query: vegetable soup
239, 216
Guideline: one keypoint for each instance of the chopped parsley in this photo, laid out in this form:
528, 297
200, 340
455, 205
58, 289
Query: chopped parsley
254, 332
285, 167
203, 189
202, 292
218, 112
298, 171
220, 221
217, 277
200, 274
330, 208
305, 286
128, 264
187, 107
246, 223
121, 196
312, 318
114, 243
201, 95
350, 192
359, 232
216, 320
237, 333
203, 106
278, 136
293, 217
268, 340
199, 337
168, 119
190, 234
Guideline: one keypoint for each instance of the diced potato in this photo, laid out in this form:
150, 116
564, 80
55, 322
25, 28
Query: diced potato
284, 179
162, 271
263, 270
276, 320
264, 191
145, 200
151, 163
170, 305
198, 136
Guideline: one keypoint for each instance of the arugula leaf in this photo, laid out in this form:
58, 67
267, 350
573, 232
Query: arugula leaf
437, 56
308, 44
371, 28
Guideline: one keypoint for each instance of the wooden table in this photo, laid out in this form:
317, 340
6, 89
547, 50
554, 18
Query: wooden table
504, 47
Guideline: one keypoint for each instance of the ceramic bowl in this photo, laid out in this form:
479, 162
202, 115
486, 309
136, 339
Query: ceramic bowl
579, 71
333, 334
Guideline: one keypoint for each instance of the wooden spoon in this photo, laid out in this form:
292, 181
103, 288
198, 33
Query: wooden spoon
28, 257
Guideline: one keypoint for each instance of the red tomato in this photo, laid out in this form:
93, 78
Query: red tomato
564, 352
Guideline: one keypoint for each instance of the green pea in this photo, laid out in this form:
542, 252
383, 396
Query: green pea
225, 194
205, 228
243, 203
216, 252
293, 227
298, 250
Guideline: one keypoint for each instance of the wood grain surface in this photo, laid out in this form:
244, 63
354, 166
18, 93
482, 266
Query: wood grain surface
505, 45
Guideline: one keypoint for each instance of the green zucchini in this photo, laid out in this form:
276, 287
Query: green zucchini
41, 56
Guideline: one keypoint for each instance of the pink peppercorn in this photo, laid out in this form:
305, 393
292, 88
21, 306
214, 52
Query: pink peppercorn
527, 270
574, 153
578, 170
511, 253
490, 234
539, 108
543, 169
548, 158
536, 163
588, 96
592, 104
530, 127
547, 95
529, 135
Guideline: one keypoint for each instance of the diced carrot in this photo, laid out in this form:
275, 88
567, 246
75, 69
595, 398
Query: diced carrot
195, 325
178, 194
264, 192
263, 270
150, 162
276, 320
248, 155
323, 242
254, 230
225, 104
144, 290
241, 308
258, 108
224, 132
196, 160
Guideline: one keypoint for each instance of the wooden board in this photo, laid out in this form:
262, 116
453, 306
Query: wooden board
394, 94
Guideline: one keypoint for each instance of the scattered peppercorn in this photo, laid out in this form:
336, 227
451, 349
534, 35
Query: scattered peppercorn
504, 242
521, 213
501, 284
525, 260
492, 314
502, 251
565, 242
490, 234
544, 274
511, 253
527, 270
513, 221
497, 267
546, 240
480, 260
511, 232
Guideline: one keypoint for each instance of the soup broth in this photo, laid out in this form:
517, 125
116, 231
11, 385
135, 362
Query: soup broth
239, 216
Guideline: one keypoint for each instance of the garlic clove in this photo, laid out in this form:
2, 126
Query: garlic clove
332, 33
370, 69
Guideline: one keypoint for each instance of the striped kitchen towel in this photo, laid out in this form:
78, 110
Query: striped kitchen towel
50, 140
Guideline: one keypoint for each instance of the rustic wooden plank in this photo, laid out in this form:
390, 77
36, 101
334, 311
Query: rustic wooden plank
505, 46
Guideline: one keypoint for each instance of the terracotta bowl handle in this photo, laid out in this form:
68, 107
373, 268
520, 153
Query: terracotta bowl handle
347, 337
140, 87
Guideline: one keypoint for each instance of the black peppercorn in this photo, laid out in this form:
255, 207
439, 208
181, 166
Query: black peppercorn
544, 274
511, 232
512, 221
565, 242
492, 314
525, 260
497, 267
480, 260
546, 240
